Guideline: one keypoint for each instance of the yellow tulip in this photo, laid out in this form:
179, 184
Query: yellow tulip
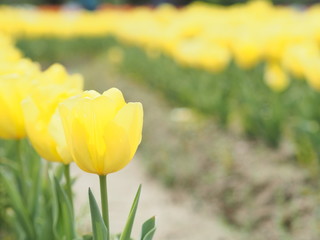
43, 127
102, 131
24, 67
275, 77
247, 52
13, 89
215, 59
8, 52
312, 73
298, 56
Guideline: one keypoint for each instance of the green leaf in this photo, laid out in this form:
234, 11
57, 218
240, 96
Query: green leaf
116, 237
87, 237
59, 172
99, 229
150, 234
147, 227
64, 220
10, 165
55, 205
35, 186
128, 228
17, 203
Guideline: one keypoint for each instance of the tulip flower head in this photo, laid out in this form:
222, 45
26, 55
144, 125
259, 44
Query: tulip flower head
13, 89
102, 131
44, 129
275, 77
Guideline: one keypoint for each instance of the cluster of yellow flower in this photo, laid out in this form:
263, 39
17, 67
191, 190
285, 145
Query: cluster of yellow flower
100, 133
198, 35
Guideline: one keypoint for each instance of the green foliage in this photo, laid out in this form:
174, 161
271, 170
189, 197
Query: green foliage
21, 2
148, 229
126, 233
36, 204
51, 50
99, 229
63, 219
21, 175
37, 207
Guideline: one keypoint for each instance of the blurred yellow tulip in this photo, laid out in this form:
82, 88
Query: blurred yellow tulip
43, 127
102, 131
247, 51
25, 67
8, 52
297, 57
199, 35
275, 77
312, 73
13, 89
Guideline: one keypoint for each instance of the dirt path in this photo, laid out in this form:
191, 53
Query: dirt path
176, 220
177, 216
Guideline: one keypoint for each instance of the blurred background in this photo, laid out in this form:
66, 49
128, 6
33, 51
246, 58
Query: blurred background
142, 2
231, 97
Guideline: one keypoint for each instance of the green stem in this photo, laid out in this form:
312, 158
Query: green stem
24, 177
68, 183
104, 201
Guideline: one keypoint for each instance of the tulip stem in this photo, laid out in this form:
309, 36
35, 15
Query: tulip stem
68, 183
104, 201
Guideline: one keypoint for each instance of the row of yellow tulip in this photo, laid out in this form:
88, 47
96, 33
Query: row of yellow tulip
100, 133
198, 35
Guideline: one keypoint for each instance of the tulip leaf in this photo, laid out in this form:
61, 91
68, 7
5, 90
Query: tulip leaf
150, 234
87, 237
55, 206
35, 187
116, 237
10, 165
22, 214
58, 173
128, 228
99, 229
64, 220
147, 227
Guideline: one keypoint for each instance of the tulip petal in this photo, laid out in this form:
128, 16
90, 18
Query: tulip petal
7, 128
102, 132
118, 153
79, 146
130, 117
36, 126
55, 129
11, 113
116, 95
86, 121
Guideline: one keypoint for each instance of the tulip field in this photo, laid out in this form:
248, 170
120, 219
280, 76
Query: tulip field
45, 106
243, 80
